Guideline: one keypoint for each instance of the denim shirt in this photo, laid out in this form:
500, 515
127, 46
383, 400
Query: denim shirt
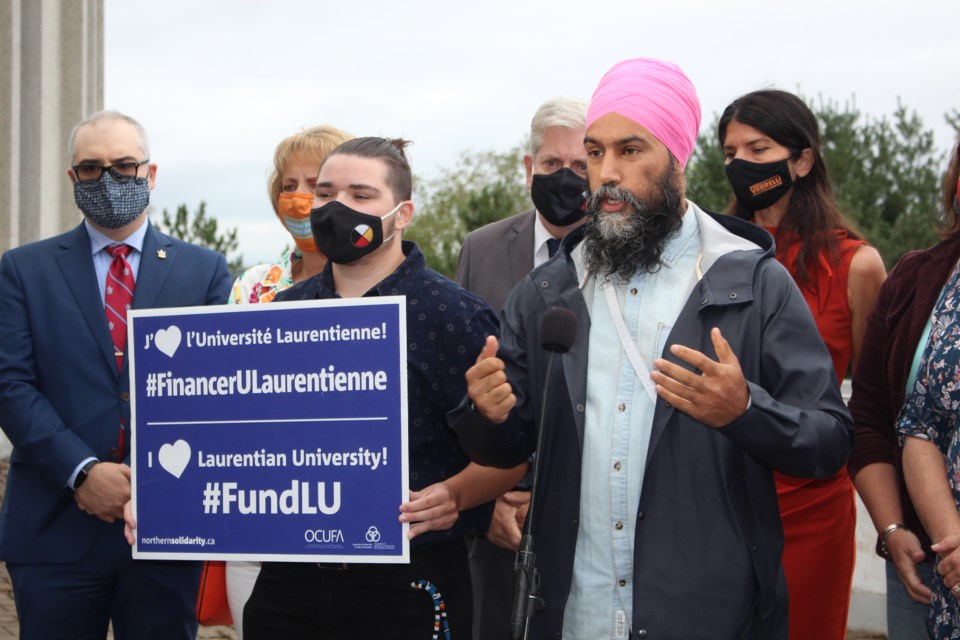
446, 329
618, 421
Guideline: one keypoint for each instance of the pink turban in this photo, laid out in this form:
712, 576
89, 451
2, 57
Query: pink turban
656, 95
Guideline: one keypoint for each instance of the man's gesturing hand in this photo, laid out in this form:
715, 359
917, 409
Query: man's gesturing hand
487, 384
717, 396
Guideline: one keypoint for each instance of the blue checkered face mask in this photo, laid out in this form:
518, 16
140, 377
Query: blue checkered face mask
110, 204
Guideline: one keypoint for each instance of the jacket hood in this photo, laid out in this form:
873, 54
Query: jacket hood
733, 250
737, 226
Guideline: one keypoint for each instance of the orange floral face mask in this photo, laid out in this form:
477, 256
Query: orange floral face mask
294, 212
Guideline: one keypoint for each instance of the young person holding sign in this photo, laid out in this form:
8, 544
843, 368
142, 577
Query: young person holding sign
361, 207
290, 186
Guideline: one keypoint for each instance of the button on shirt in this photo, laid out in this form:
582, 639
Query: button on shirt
618, 422
446, 329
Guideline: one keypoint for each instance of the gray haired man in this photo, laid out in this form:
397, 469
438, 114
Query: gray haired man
493, 259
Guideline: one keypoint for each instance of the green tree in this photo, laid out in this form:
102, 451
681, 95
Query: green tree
886, 178
885, 173
953, 119
707, 183
203, 231
480, 188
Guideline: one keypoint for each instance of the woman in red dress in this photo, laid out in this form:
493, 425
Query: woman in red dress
771, 143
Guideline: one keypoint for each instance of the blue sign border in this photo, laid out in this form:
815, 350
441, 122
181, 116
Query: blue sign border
213, 414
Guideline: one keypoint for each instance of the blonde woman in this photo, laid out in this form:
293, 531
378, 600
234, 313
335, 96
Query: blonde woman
296, 163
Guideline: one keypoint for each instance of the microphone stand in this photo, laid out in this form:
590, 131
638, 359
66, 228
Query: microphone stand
526, 585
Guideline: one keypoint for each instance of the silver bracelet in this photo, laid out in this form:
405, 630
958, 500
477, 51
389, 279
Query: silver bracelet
884, 551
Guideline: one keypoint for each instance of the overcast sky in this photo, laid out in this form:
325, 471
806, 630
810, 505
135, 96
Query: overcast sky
219, 83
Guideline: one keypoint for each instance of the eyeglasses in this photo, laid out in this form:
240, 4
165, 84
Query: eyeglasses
121, 171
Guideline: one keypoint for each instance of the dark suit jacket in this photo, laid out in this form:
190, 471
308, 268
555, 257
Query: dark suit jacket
495, 257
61, 397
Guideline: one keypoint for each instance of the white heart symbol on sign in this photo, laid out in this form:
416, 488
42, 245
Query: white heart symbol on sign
174, 457
168, 340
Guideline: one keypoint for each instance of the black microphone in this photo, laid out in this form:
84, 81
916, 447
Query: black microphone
558, 330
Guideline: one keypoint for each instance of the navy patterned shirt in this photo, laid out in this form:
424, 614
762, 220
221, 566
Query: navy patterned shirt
932, 412
446, 329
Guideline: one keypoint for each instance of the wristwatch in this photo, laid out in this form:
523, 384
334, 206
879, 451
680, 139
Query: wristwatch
83, 473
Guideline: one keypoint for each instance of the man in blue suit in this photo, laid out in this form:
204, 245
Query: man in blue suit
65, 399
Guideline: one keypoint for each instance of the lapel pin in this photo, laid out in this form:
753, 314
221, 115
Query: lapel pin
161, 254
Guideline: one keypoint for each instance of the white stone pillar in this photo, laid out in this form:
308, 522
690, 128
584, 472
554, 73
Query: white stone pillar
51, 77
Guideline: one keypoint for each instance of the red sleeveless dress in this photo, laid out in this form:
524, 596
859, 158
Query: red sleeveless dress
819, 516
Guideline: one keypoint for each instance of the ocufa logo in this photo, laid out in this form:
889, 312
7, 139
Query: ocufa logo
361, 236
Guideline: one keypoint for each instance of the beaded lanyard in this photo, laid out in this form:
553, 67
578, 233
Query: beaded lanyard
439, 609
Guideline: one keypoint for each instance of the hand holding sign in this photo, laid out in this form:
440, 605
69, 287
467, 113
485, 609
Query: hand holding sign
436, 508
129, 523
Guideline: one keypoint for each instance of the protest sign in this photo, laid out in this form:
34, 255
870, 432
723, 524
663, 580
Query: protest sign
270, 432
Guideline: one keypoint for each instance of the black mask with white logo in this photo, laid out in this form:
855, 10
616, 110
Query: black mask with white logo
345, 235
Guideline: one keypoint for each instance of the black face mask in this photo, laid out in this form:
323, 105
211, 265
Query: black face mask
758, 185
559, 196
345, 235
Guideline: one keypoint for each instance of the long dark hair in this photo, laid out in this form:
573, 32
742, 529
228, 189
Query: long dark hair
812, 213
951, 216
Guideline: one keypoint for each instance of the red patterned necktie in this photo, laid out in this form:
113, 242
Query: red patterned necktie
118, 298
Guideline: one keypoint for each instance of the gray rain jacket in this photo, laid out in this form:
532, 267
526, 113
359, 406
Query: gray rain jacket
708, 536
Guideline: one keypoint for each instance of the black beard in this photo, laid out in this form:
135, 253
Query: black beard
632, 241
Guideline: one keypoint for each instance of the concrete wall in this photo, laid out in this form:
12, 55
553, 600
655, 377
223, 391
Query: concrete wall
51, 77
868, 601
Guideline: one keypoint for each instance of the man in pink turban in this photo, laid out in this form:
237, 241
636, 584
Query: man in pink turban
695, 372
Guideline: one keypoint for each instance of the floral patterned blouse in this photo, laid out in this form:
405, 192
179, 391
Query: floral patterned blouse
932, 412
262, 282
